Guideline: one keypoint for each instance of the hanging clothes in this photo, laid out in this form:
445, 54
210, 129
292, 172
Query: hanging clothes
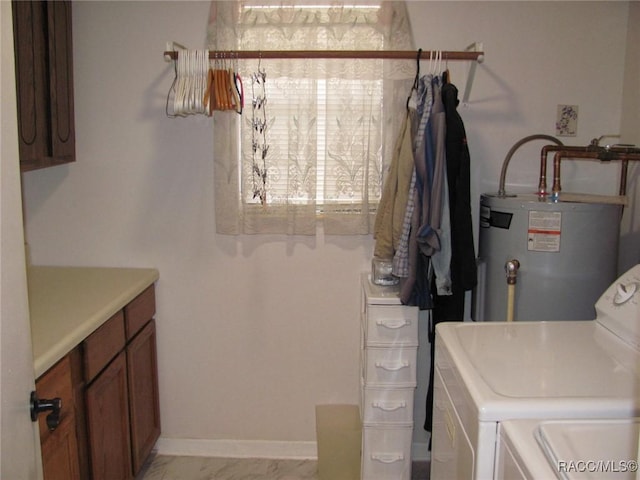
464, 273
425, 237
463, 259
414, 289
434, 235
422, 99
393, 203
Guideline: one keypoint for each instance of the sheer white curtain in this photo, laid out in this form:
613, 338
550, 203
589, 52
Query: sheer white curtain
315, 135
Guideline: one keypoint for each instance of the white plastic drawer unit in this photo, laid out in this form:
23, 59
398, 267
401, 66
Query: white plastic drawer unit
386, 452
391, 325
388, 365
394, 367
383, 405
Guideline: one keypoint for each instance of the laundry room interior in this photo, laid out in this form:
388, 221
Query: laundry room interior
254, 331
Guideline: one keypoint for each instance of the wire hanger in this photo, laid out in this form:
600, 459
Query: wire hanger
446, 75
416, 80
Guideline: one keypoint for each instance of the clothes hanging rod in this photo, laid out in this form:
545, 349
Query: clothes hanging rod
341, 54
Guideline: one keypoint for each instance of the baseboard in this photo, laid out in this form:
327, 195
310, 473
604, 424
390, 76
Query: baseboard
236, 448
256, 449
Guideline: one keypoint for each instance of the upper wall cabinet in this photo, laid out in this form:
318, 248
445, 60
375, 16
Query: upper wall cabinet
44, 83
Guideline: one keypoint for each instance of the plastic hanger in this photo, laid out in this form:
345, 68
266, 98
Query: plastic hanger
178, 100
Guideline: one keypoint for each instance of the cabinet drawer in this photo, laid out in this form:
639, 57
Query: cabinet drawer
386, 453
56, 382
387, 405
391, 325
390, 366
102, 345
139, 311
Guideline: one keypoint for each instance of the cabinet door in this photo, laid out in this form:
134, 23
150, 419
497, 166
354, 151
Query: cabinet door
60, 459
60, 53
44, 83
32, 83
143, 394
108, 423
60, 454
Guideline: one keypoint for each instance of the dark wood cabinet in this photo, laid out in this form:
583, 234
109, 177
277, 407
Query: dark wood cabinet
44, 82
60, 454
107, 401
60, 458
122, 405
110, 415
144, 405
108, 427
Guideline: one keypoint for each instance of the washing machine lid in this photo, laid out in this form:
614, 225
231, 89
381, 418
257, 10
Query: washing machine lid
618, 309
528, 369
591, 449
572, 449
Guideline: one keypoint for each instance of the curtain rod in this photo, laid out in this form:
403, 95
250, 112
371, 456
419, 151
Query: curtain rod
353, 54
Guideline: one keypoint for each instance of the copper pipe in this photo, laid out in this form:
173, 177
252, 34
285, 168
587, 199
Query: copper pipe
625, 154
556, 188
542, 184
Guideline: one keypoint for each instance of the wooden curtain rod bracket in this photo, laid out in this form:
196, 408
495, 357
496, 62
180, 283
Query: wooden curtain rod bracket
339, 54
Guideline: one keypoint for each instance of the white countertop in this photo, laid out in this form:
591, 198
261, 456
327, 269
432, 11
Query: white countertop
67, 304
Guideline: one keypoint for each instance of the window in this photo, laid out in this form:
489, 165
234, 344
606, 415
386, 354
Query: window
316, 134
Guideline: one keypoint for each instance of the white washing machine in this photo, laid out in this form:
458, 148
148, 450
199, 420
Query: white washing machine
486, 373
568, 449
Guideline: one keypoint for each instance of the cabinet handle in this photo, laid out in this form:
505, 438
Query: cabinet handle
387, 457
40, 405
392, 367
389, 406
393, 323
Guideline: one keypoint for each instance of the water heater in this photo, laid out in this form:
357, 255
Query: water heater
566, 250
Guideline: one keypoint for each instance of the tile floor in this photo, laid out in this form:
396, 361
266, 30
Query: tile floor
163, 467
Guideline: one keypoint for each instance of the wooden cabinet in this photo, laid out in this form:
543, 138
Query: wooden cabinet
123, 412
143, 394
44, 83
142, 369
108, 423
59, 446
107, 401
110, 415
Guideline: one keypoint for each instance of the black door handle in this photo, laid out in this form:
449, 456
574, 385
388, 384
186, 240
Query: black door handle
46, 405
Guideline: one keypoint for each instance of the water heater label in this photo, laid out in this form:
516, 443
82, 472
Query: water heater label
544, 231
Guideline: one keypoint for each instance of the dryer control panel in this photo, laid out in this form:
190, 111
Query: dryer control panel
618, 309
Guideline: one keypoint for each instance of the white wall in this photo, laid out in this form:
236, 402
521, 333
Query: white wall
253, 332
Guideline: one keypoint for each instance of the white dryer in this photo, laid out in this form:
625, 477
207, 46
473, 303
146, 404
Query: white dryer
487, 373
568, 449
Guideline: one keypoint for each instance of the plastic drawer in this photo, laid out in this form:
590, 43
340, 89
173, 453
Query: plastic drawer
386, 452
387, 405
390, 366
391, 325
